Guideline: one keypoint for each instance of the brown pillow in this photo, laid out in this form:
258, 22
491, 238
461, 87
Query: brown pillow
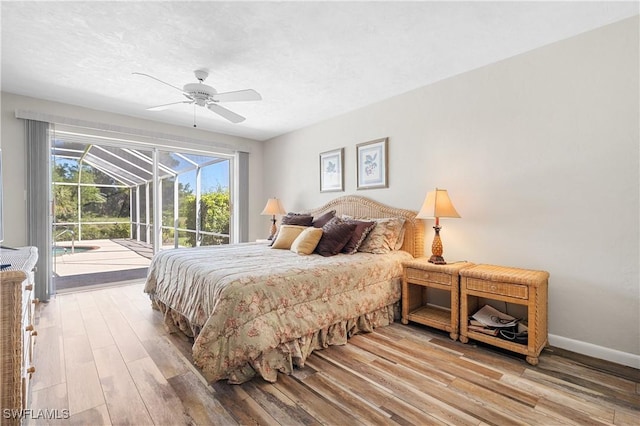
297, 219
359, 234
335, 234
323, 219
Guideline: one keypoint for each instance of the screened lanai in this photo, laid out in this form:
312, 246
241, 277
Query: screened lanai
103, 193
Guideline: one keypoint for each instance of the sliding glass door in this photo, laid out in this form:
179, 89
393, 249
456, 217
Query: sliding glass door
122, 203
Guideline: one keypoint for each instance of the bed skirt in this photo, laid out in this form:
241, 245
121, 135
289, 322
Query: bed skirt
288, 355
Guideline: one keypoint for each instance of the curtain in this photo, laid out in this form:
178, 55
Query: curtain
38, 203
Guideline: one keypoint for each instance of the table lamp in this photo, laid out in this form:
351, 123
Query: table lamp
436, 205
273, 208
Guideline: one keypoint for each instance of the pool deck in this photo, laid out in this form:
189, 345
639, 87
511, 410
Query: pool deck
109, 256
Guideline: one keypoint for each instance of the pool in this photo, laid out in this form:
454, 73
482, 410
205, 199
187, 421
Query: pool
60, 250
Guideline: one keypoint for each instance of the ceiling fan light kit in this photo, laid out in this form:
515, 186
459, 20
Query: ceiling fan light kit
206, 96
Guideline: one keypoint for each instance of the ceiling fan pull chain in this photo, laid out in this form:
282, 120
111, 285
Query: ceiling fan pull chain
194, 115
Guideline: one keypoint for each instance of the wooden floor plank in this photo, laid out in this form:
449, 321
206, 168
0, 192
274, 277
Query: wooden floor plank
70, 317
50, 370
312, 403
282, 408
503, 403
52, 396
200, 403
124, 336
558, 395
97, 416
562, 365
590, 383
94, 323
159, 397
625, 416
123, 400
242, 408
83, 386
165, 356
339, 396
572, 414
423, 366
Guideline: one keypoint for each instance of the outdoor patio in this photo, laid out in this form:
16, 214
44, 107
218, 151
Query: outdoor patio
95, 262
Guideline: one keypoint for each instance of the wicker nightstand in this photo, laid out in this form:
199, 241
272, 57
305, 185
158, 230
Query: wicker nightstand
418, 276
511, 285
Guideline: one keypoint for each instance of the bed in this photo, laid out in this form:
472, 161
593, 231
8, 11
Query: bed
255, 310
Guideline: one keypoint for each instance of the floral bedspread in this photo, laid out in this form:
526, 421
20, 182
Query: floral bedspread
241, 302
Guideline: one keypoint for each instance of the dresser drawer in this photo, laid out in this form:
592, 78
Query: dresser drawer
493, 287
422, 275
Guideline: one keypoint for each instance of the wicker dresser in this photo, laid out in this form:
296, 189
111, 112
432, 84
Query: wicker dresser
510, 285
16, 331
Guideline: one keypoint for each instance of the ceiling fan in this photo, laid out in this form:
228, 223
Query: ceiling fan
206, 96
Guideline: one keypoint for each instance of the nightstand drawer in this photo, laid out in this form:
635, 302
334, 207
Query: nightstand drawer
506, 289
422, 275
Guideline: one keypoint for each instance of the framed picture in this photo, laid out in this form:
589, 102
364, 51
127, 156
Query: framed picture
373, 164
331, 167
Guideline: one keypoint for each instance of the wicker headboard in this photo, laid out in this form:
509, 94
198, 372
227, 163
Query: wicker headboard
361, 207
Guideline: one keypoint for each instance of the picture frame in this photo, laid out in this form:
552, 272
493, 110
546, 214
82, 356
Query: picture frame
332, 170
373, 164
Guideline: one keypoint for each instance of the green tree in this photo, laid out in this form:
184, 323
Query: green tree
66, 197
90, 194
215, 215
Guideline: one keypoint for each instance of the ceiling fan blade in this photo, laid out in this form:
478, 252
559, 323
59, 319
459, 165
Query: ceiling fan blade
165, 106
157, 79
237, 96
223, 112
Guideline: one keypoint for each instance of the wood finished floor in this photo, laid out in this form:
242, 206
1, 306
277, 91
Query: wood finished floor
105, 356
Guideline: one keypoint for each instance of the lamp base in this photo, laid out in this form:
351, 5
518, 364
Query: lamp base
436, 248
438, 260
273, 229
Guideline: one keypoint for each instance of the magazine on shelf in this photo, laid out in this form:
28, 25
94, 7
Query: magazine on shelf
491, 317
484, 330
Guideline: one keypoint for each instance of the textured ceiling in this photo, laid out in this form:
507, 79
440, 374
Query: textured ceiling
309, 60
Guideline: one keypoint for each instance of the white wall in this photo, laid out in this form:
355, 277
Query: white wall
14, 156
540, 154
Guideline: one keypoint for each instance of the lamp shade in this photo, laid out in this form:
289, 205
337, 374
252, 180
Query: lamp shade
437, 204
273, 207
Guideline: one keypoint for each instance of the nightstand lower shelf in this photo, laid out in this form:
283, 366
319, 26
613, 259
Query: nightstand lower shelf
520, 348
434, 316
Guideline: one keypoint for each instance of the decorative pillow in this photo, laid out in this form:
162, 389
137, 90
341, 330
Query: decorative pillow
287, 235
383, 237
359, 234
306, 242
293, 219
297, 219
335, 234
323, 219
400, 240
